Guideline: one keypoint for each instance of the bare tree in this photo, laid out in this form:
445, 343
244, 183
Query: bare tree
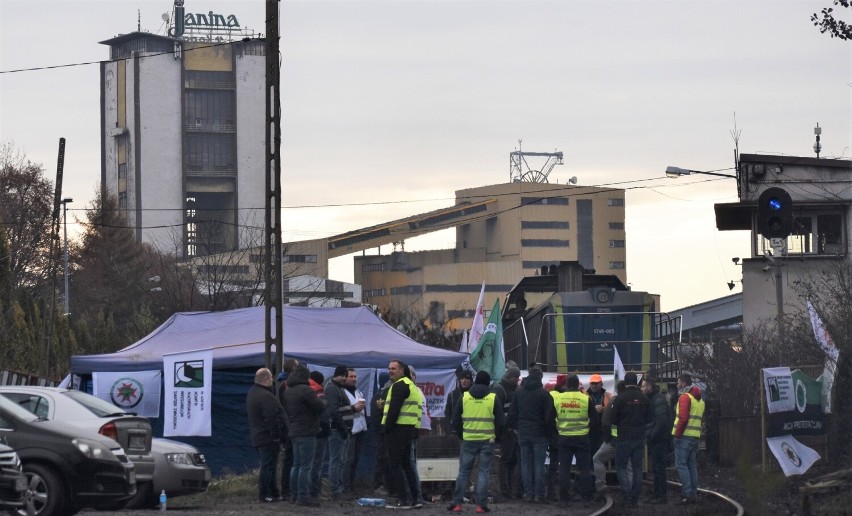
828, 22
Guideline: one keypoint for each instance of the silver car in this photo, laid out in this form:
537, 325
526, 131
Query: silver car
180, 470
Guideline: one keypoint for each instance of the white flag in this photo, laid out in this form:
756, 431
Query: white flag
463, 345
187, 382
477, 328
831, 355
617, 366
134, 391
794, 457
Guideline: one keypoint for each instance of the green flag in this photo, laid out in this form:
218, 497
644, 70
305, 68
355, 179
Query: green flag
488, 355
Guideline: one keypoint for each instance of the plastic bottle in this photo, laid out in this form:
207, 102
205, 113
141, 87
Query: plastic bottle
375, 502
163, 500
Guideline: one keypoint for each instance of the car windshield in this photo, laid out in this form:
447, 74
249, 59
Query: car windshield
12, 408
95, 405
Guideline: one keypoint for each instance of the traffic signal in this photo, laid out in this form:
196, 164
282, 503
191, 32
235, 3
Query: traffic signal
775, 213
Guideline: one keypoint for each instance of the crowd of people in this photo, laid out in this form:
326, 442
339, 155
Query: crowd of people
540, 432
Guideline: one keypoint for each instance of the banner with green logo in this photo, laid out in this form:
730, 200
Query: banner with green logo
801, 399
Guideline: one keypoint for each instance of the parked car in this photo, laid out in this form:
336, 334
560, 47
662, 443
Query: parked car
13, 482
180, 468
67, 468
83, 411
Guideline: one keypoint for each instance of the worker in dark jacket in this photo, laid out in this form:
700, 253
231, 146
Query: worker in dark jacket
341, 415
631, 413
657, 437
508, 473
529, 414
304, 410
268, 425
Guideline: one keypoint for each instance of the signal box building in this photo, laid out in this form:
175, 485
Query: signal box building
508, 231
819, 228
182, 135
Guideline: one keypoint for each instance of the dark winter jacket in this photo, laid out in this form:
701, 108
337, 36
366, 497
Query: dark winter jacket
340, 410
505, 390
453, 401
399, 392
631, 413
479, 391
302, 405
661, 421
266, 417
531, 409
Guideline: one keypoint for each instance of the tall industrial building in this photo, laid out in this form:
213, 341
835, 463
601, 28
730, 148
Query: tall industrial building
507, 231
183, 132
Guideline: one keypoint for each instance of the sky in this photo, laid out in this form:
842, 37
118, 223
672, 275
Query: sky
389, 107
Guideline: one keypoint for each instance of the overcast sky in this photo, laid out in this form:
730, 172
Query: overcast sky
410, 101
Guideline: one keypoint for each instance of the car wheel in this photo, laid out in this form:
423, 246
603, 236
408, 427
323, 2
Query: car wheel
144, 498
45, 493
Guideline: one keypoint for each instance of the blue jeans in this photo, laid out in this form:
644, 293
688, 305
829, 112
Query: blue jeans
470, 452
570, 447
303, 461
686, 448
629, 451
533, 452
337, 445
266, 479
316, 468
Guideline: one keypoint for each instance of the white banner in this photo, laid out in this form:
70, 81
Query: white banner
617, 366
134, 391
794, 457
436, 385
187, 381
778, 383
831, 355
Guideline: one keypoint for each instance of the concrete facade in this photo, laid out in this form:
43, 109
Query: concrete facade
533, 225
182, 141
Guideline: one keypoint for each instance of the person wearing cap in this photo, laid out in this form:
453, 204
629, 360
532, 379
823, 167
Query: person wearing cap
478, 419
573, 410
631, 412
464, 379
341, 414
508, 473
529, 414
600, 400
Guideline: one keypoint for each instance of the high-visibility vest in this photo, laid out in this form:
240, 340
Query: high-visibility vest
478, 417
693, 424
410, 412
572, 412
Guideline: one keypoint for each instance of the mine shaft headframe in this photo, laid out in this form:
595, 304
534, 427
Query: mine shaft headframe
520, 170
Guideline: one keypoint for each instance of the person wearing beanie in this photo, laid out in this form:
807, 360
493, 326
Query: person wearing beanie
464, 379
304, 410
560, 382
508, 473
574, 410
529, 413
341, 414
478, 420
631, 413
600, 399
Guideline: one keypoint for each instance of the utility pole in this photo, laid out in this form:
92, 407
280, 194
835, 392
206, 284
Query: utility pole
65, 230
273, 259
54, 239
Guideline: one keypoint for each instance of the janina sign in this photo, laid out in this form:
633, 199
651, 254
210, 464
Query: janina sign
210, 20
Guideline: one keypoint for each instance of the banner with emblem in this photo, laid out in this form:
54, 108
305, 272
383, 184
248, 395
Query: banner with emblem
794, 457
794, 400
133, 391
187, 383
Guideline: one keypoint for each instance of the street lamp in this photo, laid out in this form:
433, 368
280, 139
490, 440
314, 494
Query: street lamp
675, 172
64, 203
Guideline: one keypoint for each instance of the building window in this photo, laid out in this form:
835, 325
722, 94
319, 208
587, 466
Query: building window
553, 201
544, 242
300, 258
544, 224
615, 202
373, 292
816, 234
616, 265
409, 289
616, 225
210, 110
616, 243
209, 152
373, 267
122, 171
122, 201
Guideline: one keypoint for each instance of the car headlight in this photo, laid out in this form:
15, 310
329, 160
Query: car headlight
94, 449
179, 458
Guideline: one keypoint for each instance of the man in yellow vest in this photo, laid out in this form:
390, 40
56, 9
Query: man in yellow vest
574, 410
401, 420
478, 419
687, 435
